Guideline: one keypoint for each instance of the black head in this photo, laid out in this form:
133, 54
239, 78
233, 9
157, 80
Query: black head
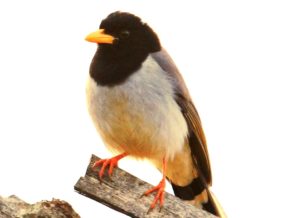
130, 33
124, 43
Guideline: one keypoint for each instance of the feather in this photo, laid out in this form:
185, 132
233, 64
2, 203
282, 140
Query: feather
196, 138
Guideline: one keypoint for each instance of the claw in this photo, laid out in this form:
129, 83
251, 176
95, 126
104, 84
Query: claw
149, 210
161, 208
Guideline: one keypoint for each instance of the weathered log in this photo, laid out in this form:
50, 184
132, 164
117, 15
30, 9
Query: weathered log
14, 207
122, 192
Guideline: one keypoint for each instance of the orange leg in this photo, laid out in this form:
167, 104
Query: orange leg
112, 162
160, 188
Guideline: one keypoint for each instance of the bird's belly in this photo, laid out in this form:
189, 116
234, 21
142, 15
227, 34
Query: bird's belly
132, 118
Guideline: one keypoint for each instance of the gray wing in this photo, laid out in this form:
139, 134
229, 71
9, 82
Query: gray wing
197, 141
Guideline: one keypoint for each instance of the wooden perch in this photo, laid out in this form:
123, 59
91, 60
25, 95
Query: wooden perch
123, 193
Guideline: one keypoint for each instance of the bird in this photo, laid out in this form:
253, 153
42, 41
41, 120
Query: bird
141, 107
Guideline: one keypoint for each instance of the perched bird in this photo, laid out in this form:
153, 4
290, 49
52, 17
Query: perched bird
141, 107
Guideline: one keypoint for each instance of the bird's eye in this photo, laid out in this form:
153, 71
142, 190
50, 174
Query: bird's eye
124, 34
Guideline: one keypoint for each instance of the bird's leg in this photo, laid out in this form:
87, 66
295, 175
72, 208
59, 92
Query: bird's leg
160, 188
112, 162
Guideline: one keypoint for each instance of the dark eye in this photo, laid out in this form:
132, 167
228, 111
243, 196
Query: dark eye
124, 34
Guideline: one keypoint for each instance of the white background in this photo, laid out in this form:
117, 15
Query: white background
240, 61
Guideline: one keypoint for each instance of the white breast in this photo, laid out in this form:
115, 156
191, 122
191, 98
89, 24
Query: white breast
140, 116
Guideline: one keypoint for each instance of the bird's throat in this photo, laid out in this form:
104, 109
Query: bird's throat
108, 68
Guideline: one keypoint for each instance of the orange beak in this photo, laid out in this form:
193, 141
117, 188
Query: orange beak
100, 37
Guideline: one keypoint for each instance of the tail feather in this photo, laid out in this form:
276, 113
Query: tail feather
213, 205
200, 196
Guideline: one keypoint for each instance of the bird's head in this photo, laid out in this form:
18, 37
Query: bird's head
124, 43
125, 34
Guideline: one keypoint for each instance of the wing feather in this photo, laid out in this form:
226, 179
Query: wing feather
196, 138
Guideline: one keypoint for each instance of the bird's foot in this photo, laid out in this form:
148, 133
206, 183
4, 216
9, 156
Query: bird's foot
160, 195
111, 162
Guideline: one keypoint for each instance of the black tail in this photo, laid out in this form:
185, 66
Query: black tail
198, 194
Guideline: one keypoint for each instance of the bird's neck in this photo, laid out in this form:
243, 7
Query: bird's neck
110, 68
